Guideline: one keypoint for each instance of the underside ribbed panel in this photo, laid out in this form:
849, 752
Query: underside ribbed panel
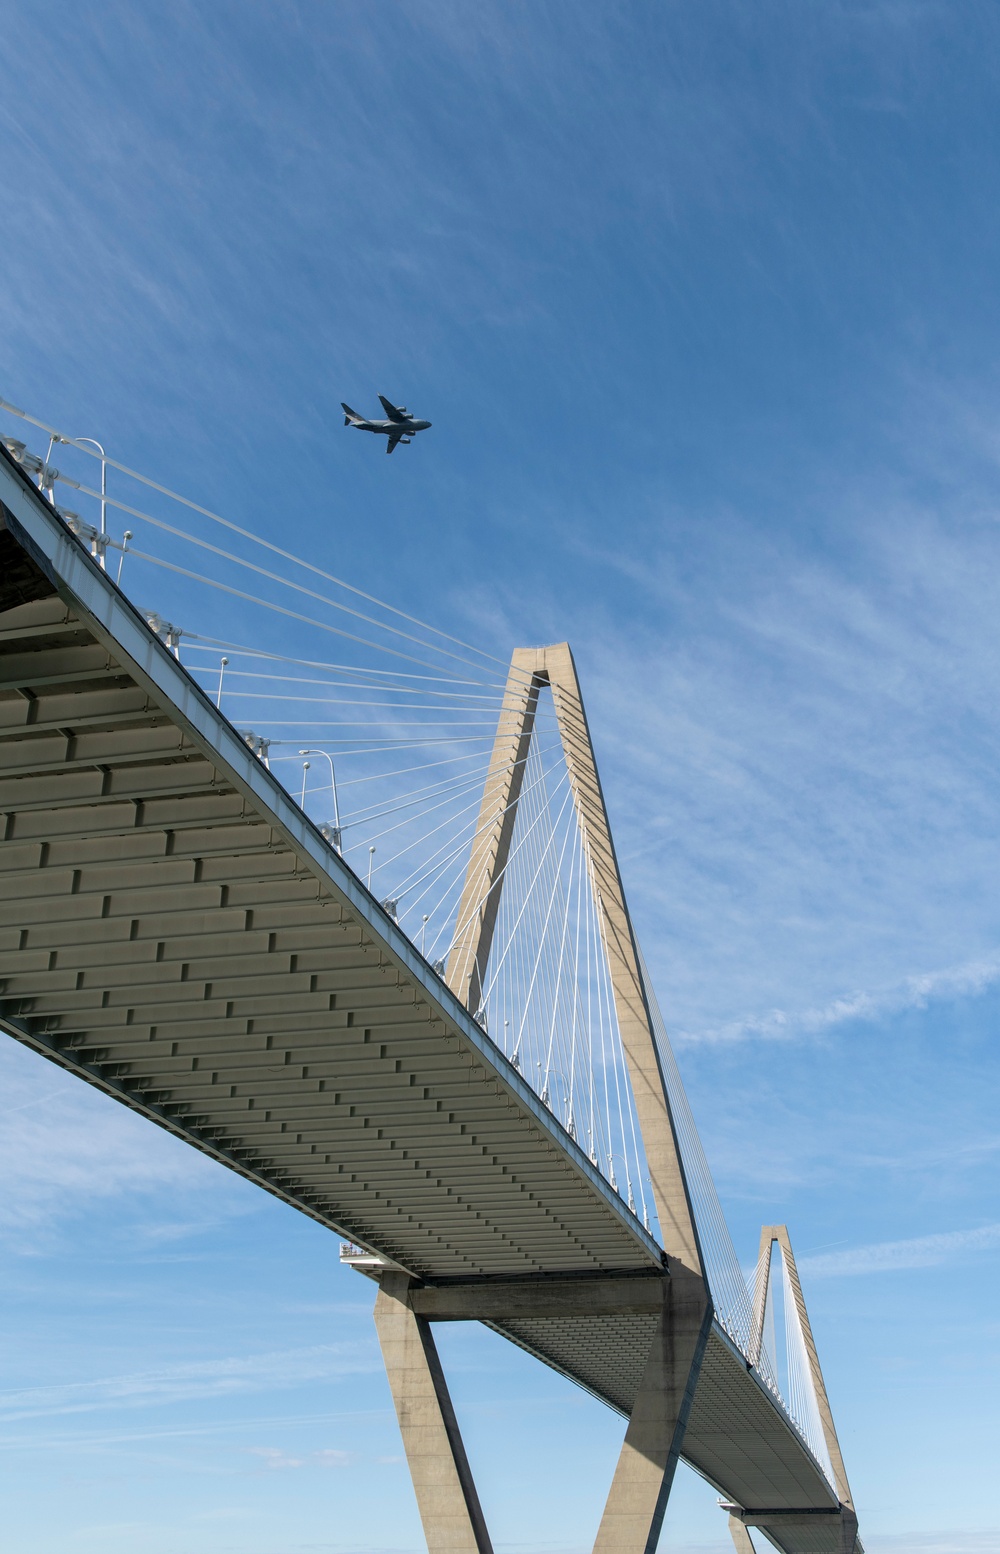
158, 934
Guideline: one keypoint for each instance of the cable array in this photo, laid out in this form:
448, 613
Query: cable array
730, 1296
547, 997
785, 1346
780, 1359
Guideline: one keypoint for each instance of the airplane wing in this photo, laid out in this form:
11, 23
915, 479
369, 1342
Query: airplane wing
394, 438
391, 410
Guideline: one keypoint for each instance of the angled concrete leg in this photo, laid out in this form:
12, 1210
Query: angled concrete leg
446, 1495
848, 1530
741, 1536
634, 1511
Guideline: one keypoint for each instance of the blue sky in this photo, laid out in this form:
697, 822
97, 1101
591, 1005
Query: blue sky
702, 302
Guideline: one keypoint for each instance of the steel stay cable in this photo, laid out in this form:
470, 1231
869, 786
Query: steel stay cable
590, 1028
536, 957
406, 799
384, 741
414, 878
726, 1278
548, 979
605, 1120
637, 1151
511, 961
453, 886
408, 883
458, 712
500, 872
366, 818
598, 967
616, 1041
449, 820
199, 642
347, 685
545, 928
548, 969
432, 877
548, 992
378, 810
275, 577
405, 771
578, 847
409, 848
280, 609
460, 928
562, 946
447, 799
629, 1097
458, 849
372, 722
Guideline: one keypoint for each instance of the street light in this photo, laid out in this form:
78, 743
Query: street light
222, 670
104, 482
333, 784
302, 800
121, 558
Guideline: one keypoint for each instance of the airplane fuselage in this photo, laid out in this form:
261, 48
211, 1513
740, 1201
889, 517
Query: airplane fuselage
388, 428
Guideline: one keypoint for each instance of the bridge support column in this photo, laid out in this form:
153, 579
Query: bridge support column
446, 1494
633, 1514
783, 1524
740, 1536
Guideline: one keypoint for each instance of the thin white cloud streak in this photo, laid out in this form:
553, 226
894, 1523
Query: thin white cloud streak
187, 1380
901, 1256
915, 992
800, 757
957, 1541
217, 1429
274, 1457
63, 1149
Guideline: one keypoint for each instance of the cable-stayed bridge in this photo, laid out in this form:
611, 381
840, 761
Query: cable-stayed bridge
426, 1022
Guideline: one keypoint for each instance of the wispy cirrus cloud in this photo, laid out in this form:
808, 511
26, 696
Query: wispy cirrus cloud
957, 1541
274, 1457
913, 992
192, 1379
899, 1256
799, 757
63, 1145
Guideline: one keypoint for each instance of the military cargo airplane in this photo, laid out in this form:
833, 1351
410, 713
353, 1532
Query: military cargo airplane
400, 427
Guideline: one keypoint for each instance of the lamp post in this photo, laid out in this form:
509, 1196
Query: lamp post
333, 784
302, 800
104, 485
222, 670
121, 558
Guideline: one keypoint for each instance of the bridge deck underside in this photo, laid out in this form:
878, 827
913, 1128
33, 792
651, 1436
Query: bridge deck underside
160, 935
173, 931
735, 1437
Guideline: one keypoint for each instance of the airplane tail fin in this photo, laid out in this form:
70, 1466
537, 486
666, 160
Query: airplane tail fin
350, 416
